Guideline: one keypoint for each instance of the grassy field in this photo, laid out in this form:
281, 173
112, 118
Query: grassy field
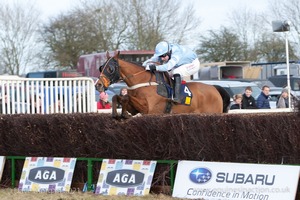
14, 194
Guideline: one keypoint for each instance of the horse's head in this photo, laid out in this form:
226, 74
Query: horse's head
109, 72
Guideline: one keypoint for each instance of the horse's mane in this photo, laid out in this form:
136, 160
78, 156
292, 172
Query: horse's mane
135, 63
139, 64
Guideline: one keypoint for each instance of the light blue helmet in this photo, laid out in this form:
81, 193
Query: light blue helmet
162, 48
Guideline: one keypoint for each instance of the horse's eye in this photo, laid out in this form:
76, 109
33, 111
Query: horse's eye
101, 68
111, 69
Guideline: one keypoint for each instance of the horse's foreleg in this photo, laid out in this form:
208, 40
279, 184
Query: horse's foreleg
115, 100
125, 104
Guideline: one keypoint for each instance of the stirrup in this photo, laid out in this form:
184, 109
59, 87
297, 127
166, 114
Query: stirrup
176, 100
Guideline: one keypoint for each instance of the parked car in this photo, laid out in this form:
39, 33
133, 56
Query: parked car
281, 81
273, 97
275, 94
234, 87
116, 87
259, 82
54, 74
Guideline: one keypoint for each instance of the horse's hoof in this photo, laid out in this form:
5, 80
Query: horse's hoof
115, 116
138, 115
125, 116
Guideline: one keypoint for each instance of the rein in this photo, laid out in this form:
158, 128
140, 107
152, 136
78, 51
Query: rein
140, 84
106, 79
132, 75
105, 65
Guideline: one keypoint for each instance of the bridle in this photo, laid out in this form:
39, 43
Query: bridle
110, 74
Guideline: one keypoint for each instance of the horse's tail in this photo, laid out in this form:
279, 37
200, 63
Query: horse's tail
225, 98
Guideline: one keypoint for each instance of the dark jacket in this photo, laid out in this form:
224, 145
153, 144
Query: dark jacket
248, 102
235, 106
263, 101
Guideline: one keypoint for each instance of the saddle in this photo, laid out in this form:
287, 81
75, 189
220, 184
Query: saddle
166, 86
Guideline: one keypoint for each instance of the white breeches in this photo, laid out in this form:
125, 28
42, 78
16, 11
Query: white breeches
187, 69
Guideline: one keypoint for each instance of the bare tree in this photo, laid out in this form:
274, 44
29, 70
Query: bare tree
249, 25
272, 48
106, 22
88, 28
63, 37
255, 32
219, 46
143, 32
18, 26
97, 26
288, 10
152, 21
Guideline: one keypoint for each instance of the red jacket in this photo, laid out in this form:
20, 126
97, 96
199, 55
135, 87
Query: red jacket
103, 105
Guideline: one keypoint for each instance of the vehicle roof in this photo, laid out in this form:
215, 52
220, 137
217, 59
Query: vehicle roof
285, 76
226, 83
275, 92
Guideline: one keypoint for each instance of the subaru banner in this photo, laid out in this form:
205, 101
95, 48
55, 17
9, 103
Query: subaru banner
220, 180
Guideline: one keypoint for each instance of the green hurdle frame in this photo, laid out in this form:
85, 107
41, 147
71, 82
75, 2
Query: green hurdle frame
89, 162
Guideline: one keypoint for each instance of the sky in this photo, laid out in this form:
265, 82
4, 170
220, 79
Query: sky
212, 12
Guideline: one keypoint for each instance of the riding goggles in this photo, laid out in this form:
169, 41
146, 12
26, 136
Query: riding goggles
164, 55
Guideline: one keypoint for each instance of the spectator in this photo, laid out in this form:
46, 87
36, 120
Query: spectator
58, 106
248, 101
237, 102
1, 102
283, 101
123, 92
79, 100
263, 99
103, 103
7, 105
35, 105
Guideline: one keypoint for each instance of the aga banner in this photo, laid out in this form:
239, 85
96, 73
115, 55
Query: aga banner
125, 177
47, 174
219, 180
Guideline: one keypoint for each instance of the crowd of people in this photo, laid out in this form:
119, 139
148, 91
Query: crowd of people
247, 101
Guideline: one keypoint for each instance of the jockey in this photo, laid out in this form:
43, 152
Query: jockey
177, 60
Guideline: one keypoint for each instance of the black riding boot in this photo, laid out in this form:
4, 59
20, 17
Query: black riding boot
177, 85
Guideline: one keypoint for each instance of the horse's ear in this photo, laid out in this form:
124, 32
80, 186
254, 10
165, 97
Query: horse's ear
107, 54
117, 53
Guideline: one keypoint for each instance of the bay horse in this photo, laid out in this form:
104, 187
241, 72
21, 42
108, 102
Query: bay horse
143, 97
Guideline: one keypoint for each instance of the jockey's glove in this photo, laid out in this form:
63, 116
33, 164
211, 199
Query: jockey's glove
151, 67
